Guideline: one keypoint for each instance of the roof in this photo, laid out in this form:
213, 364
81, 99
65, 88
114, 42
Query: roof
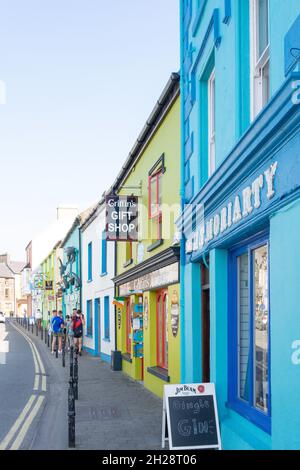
5, 272
17, 266
79, 220
166, 99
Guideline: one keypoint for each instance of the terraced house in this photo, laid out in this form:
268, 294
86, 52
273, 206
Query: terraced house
240, 172
147, 268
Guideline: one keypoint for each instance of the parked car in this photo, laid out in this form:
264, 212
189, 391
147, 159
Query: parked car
2, 317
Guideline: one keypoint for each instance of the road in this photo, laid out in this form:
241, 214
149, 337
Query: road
33, 394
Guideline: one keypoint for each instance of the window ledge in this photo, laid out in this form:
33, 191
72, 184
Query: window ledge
155, 245
128, 263
106, 340
89, 280
250, 414
126, 357
159, 372
103, 274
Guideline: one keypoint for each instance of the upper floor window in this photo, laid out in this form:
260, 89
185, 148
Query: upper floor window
155, 202
260, 55
90, 261
103, 253
211, 124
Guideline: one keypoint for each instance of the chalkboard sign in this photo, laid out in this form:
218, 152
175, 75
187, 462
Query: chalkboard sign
190, 414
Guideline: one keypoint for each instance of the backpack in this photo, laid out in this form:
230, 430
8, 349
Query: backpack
77, 327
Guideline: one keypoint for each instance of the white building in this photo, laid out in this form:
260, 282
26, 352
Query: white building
98, 270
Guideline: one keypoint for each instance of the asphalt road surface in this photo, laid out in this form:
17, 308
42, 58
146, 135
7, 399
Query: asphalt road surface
33, 394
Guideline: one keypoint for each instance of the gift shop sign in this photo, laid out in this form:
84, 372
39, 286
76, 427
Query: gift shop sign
238, 208
121, 218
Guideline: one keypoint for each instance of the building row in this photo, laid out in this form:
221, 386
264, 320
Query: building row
206, 289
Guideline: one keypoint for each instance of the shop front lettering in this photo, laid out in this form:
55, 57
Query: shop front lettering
240, 207
296, 93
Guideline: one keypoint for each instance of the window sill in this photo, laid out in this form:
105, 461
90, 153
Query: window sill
103, 274
256, 417
159, 372
106, 340
128, 263
126, 357
155, 245
89, 280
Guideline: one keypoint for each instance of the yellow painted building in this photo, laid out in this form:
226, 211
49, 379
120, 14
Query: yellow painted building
52, 294
147, 271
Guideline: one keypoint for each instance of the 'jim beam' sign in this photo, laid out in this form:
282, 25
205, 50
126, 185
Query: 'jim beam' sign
190, 417
121, 218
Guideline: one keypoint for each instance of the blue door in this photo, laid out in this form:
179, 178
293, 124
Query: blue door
97, 326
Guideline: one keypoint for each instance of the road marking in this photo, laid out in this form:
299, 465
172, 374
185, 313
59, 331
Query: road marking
36, 382
4, 345
11, 433
23, 431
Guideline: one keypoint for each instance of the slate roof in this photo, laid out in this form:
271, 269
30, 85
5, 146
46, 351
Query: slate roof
17, 266
6, 272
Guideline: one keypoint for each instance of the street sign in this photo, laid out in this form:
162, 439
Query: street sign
121, 218
49, 285
190, 417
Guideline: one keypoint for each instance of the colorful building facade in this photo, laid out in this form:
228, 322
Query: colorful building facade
50, 280
98, 270
147, 277
240, 174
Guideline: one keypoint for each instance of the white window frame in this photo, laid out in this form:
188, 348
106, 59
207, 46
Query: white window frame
211, 97
257, 64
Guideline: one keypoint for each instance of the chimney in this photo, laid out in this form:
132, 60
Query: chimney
5, 258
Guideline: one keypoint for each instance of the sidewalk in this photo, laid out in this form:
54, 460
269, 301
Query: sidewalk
112, 412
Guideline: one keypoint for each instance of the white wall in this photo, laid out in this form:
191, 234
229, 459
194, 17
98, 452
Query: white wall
100, 286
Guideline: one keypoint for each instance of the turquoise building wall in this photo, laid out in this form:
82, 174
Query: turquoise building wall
73, 240
217, 32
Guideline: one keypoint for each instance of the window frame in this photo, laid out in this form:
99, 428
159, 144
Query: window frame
89, 319
128, 343
103, 254
211, 103
161, 298
158, 214
258, 63
90, 262
106, 318
247, 410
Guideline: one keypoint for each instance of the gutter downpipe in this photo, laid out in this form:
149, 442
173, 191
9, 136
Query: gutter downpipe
182, 203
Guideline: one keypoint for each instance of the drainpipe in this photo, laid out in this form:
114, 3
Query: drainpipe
80, 267
182, 202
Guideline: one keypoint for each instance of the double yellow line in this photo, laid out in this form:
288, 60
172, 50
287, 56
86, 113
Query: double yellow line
17, 433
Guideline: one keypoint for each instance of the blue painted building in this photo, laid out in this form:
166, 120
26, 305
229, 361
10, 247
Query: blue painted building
71, 265
240, 189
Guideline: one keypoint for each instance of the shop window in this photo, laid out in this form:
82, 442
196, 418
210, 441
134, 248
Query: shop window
260, 55
211, 124
128, 327
89, 318
162, 329
7, 293
90, 261
249, 372
155, 201
103, 254
106, 319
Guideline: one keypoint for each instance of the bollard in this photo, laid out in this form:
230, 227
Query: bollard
64, 353
76, 376
48, 339
32, 328
71, 414
27, 324
36, 330
51, 340
45, 335
42, 332
56, 347
71, 363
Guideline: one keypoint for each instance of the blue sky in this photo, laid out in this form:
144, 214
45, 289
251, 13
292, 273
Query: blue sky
81, 78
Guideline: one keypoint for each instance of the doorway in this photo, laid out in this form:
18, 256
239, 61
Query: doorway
205, 304
97, 327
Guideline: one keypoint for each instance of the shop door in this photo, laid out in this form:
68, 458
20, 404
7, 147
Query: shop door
97, 327
205, 292
128, 327
162, 329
